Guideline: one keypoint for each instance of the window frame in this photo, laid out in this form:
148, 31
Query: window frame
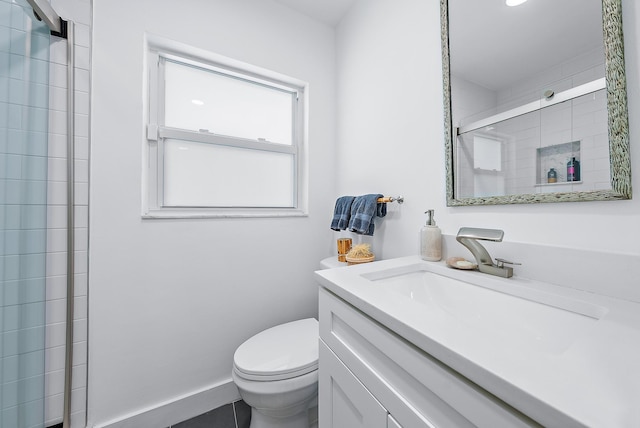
156, 132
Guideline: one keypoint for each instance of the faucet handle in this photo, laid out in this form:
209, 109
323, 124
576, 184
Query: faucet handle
501, 262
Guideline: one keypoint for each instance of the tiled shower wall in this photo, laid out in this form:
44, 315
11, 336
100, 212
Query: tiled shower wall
583, 120
78, 11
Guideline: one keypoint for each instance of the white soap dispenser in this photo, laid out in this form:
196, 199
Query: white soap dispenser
430, 240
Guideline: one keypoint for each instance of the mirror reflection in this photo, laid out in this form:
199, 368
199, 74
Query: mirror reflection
528, 100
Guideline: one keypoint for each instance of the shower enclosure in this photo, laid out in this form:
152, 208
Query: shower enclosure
27, 28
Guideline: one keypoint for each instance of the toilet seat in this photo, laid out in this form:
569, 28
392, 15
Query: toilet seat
281, 352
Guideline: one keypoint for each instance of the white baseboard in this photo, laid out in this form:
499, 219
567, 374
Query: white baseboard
179, 408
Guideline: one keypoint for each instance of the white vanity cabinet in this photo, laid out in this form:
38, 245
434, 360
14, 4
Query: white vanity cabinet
345, 401
392, 423
371, 377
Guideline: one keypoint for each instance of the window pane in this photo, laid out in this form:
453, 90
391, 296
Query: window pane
208, 175
487, 153
197, 99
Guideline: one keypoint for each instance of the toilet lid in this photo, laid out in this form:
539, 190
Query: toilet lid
281, 352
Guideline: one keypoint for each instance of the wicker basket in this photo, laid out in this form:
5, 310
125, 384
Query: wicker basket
356, 261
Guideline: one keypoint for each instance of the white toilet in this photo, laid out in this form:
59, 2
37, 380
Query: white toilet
276, 372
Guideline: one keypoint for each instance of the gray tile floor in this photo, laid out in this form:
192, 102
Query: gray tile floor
235, 415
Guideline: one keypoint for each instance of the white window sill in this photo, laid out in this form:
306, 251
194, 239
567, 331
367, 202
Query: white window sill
181, 213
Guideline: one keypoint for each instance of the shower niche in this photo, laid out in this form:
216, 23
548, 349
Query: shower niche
551, 164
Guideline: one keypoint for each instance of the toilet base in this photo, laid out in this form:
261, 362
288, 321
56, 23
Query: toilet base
285, 403
261, 420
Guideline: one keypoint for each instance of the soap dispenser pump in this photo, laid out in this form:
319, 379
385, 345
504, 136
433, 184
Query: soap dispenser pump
430, 239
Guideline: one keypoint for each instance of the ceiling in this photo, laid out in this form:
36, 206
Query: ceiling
329, 12
494, 45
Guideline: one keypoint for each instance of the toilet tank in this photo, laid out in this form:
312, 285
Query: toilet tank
331, 262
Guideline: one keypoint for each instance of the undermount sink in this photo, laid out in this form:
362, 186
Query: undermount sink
527, 316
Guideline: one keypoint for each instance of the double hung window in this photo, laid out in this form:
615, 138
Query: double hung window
222, 141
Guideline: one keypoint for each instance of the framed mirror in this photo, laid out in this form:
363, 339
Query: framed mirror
535, 102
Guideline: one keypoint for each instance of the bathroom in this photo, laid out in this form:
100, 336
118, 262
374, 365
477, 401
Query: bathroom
169, 300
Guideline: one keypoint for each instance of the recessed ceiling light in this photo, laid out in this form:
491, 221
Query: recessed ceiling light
515, 2
198, 102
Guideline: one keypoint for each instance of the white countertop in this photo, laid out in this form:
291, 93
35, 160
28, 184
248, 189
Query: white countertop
591, 380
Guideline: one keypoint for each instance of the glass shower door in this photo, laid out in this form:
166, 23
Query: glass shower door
24, 103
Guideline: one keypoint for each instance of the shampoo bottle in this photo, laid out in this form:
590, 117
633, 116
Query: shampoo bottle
573, 170
430, 240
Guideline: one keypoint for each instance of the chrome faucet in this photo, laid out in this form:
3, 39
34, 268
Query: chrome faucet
469, 236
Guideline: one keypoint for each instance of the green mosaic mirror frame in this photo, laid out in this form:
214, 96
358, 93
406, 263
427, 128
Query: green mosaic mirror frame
618, 121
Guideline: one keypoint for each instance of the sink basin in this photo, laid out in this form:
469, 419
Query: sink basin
532, 318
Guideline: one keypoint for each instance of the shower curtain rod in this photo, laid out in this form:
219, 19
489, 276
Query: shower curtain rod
44, 12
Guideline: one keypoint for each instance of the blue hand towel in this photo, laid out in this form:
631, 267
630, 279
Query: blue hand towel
363, 210
342, 213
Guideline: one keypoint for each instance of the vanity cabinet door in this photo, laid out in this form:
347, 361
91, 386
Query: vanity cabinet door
344, 402
392, 423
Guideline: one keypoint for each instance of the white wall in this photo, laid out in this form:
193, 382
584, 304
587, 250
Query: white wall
390, 121
170, 300
390, 136
474, 102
